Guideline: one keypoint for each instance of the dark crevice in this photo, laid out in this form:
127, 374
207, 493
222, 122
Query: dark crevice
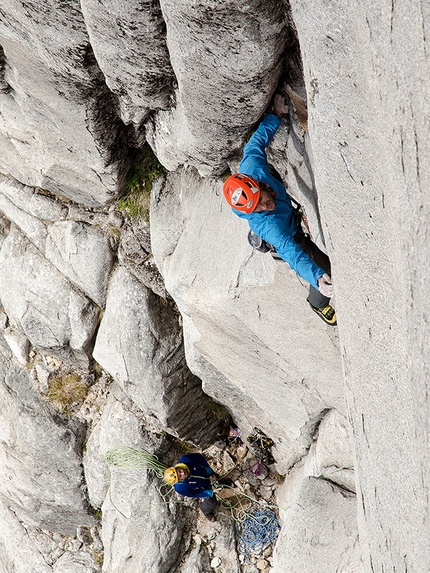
4, 86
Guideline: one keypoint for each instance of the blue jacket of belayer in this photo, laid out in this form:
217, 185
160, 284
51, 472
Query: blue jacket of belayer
277, 227
197, 484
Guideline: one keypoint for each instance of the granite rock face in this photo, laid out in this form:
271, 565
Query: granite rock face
141, 530
13, 534
180, 308
42, 303
129, 43
41, 473
214, 112
238, 302
140, 344
368, 107
82, 253
59, 129
319, 533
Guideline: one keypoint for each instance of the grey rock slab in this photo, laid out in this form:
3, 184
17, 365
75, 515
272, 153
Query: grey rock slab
331, 456
59, 129
41, 474
141, 530
249, 314
79, 562
319, 531
19, 344
226, 75
34, 202
215, 384
198, 561
14, 198
120, 425
41, 302
135, 253
17, 550
129, 43
47, 208
82, 253
140, 344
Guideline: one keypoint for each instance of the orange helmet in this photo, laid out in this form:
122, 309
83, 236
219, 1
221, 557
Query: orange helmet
170, 476
242, 192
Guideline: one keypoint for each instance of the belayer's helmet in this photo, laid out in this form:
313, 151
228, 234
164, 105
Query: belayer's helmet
242, 192
182, 467
170, 476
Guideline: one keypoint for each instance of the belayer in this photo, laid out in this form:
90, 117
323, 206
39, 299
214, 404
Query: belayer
190, 477
256, 195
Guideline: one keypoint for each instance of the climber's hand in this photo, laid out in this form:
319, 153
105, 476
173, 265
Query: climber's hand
279, 107
325, 286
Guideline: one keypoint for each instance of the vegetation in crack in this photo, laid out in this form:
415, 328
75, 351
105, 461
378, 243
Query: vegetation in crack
144, 171
67, 391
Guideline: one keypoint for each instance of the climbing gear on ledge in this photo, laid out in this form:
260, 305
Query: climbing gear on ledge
261, 445
234, 436
328, 314
242, 192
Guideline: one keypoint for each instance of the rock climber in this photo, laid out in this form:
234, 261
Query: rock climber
190, 477
260, 198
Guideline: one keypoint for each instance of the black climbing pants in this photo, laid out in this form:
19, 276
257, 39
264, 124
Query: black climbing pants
208, 505
315, 298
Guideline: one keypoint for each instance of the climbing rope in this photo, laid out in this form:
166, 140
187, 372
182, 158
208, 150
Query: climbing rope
127, 458
258, 530
240, 508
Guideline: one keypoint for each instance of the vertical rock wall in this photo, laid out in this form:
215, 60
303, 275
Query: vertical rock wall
366, 71
129, 43
81, 85
59, 126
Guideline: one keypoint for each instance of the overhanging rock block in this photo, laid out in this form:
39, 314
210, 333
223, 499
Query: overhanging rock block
140, 344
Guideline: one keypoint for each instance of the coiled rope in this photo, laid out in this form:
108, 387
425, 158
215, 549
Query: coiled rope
127, 458
258, 530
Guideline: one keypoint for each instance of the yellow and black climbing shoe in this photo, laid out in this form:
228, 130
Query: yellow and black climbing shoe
327, 313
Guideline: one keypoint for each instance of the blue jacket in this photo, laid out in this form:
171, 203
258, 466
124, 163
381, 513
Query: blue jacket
197, 483
277, 227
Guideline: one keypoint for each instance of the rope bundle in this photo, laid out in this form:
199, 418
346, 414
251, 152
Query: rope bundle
127, 458
259, 529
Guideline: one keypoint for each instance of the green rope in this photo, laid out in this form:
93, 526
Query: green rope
239, 511
127, 458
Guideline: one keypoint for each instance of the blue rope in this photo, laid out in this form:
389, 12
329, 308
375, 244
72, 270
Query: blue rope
259, 529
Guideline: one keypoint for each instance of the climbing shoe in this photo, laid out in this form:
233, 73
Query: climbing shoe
210, 517
327, 313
